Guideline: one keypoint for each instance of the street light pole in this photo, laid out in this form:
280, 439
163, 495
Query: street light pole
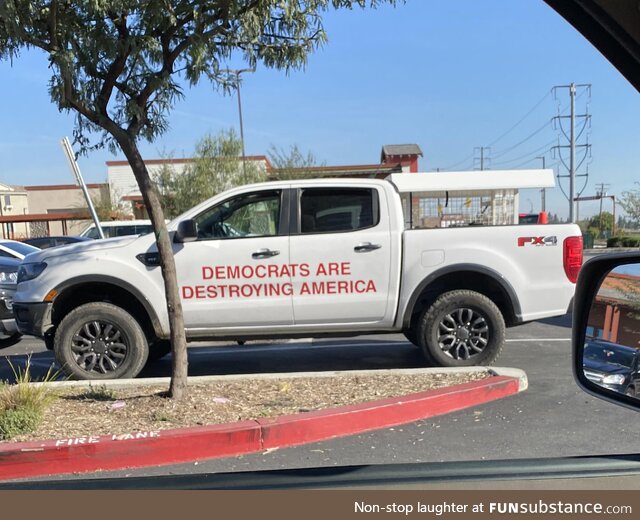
237, 73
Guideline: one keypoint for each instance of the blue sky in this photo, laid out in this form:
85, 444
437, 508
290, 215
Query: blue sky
448, 75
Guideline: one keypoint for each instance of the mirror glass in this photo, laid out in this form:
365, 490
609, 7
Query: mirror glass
612, 340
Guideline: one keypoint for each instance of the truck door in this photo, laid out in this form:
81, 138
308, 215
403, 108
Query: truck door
342, 245
236, 274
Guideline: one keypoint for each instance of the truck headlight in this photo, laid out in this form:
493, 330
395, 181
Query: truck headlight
30, 270
614, 379
8, 277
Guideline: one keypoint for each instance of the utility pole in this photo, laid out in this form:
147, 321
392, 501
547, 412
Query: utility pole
600, 193
543, 191
572, 159
237, 73
572, 137
483, 159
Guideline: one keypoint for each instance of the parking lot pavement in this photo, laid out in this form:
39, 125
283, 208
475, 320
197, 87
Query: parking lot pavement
27, 345
552, 418
362, 352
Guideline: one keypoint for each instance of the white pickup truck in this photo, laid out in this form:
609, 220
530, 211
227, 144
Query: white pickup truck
308, 258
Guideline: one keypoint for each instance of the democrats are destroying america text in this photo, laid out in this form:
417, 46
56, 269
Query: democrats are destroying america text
271, 280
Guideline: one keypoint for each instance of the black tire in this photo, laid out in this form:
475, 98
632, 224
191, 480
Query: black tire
9, 340
158, 350
412, 336
100, 341
461, 328
49, 339
630, 391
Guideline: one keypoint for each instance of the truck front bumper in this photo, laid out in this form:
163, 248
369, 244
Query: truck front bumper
33, 319
7, 322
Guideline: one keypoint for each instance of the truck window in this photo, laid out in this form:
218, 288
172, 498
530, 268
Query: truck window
254, 214
327, 210
92, 233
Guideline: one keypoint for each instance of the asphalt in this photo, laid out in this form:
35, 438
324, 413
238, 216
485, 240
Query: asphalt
145, 449
553, 418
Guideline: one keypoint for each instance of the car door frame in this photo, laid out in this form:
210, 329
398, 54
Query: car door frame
283, 231
383, 204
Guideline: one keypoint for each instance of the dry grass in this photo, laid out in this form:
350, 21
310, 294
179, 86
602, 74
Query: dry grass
23, 405
100, 411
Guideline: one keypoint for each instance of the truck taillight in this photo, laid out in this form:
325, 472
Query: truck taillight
572, 257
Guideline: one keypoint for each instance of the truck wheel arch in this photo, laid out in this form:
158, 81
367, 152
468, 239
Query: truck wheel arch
91, 288
473, 277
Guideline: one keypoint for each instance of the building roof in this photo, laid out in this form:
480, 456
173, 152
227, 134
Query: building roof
620, 288
10, 188
356, 170
54, 187
400, 149
184, 160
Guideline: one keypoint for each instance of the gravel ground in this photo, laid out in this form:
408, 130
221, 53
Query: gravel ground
102, 411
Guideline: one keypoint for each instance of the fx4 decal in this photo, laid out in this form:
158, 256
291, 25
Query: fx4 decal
538, 241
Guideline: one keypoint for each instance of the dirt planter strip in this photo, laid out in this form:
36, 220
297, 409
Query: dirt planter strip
156, 448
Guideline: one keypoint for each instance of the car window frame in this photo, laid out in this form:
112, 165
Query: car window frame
284, 213
296, 212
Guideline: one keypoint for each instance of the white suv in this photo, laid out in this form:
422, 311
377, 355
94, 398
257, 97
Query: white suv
119, 228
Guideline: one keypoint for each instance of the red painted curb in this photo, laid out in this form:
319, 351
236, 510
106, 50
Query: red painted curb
140, 449
290, 430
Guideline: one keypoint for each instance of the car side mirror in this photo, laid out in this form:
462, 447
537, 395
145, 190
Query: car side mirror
606, 328
187, 231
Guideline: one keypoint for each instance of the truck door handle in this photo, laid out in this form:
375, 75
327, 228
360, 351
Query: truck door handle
264, 253
365, 247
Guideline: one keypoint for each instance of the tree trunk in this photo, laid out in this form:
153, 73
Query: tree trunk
179, 364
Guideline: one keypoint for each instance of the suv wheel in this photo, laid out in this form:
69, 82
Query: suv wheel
461, 328
100, 341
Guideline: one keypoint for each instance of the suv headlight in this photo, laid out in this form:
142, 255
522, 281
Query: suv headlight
614, 379
30, 270
8, 277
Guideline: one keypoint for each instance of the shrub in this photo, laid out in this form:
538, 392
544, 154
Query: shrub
23, 403
18, 421
630, 242
614, 242
99, 393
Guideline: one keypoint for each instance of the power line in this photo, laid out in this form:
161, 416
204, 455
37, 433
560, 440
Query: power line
561, 110
530, 136
533, 152
471, 156
521, 119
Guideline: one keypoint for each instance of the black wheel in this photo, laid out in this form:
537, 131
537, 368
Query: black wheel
100, 341
9, 340
630, 391
158, 350
461, 328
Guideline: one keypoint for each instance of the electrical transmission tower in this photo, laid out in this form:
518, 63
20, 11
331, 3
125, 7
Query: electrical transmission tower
481, 157
574, 144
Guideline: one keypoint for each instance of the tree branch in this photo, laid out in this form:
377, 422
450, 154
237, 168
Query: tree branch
167, 69
116, 68
53, 25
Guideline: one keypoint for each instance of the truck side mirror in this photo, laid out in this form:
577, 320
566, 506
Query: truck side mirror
187, 231
606, 328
